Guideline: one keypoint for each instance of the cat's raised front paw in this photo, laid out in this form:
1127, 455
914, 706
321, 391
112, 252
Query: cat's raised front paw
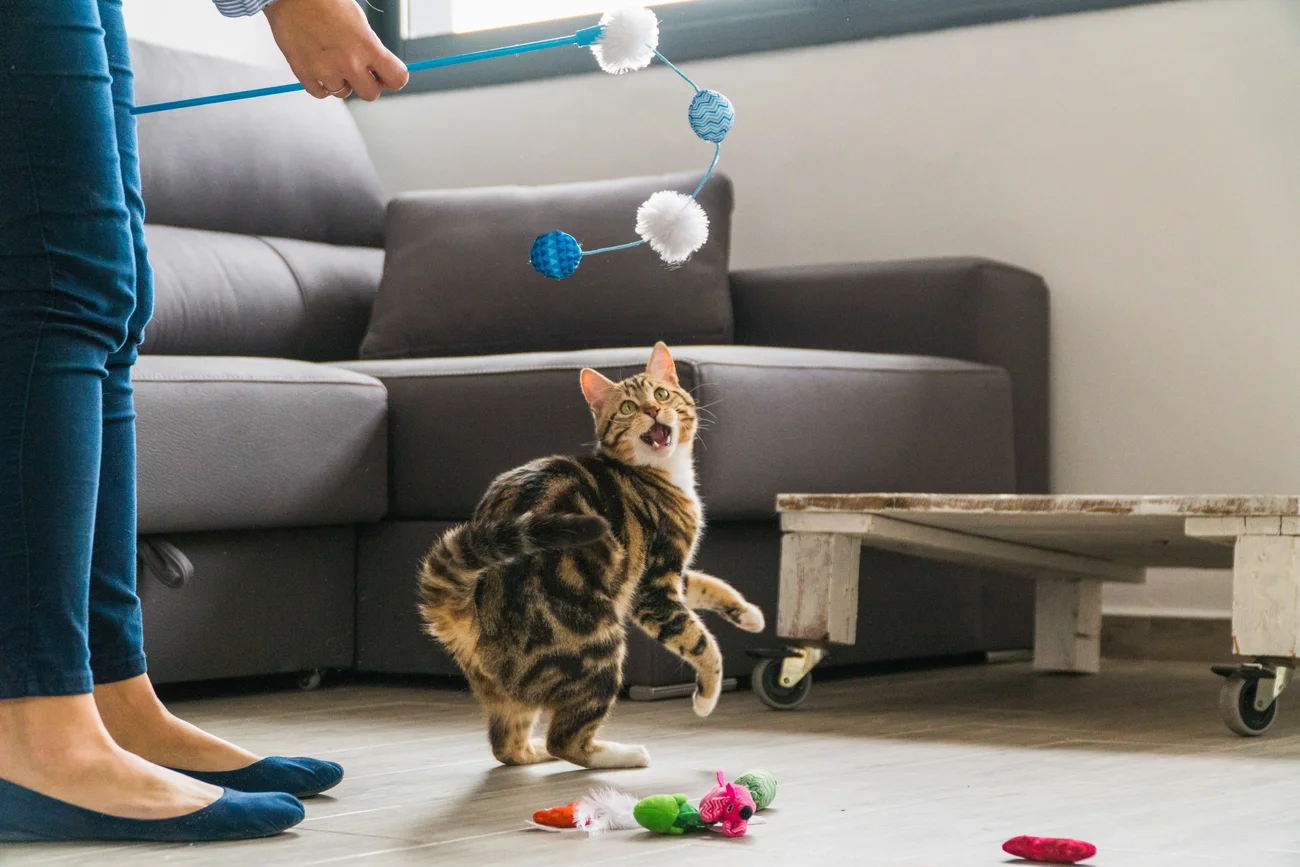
705, 702
751, 619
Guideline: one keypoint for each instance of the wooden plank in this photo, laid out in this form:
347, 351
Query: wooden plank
1267, 526
819, 587
1144, 540
952, 547
1266, 596
1067, 626
1217, 528
1214, 504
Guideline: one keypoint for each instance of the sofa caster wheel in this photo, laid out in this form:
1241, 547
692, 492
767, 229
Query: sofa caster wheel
770, 690
309, 680
1248, 699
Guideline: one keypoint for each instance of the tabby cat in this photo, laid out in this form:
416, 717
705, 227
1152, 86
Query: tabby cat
532, 595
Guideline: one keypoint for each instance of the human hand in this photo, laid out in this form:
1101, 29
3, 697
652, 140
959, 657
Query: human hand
332, 50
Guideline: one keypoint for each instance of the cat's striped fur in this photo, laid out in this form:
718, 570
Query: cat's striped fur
532, 595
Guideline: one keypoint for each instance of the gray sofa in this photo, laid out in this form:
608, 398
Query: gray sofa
288, 486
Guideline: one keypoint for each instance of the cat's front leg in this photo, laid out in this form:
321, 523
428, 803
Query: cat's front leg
707, 593
662, 613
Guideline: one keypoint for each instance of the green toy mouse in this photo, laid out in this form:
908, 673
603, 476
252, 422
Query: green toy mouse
667, 814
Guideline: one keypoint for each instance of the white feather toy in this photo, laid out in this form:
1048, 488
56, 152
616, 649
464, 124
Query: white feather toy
605, 810
601, 811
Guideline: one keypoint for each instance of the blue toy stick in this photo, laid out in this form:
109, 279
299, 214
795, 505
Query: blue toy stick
585, 37
672, 223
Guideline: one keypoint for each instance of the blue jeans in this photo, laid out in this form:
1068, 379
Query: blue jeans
75, 294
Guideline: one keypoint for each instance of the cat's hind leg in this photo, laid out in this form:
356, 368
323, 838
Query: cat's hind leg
704, 592
510, 730
575, 723
662, 613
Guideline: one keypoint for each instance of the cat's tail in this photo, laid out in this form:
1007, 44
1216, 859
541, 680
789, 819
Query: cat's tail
452, 567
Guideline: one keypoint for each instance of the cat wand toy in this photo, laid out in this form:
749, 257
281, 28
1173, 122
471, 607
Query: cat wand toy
625, 40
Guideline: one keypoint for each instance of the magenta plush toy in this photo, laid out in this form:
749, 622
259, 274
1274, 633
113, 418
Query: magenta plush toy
729, 805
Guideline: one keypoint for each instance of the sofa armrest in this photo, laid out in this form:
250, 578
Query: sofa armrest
970, 309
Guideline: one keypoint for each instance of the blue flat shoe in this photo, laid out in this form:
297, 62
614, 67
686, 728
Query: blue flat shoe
302, 777
30, 817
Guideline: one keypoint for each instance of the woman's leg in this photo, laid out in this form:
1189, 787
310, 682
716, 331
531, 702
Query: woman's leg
134, 716
67, 284
130, 709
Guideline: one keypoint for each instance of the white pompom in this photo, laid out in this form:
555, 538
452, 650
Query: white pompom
673, 224
628, 41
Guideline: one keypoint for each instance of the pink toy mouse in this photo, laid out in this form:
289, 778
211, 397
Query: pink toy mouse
728, 804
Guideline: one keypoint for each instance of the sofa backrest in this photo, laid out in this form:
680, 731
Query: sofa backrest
287, 166
457, 277
265, 218
219, 293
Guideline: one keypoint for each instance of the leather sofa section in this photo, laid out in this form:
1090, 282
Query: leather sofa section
457, 278
782, 420
261, 602
254, 443
288, 166
222, 294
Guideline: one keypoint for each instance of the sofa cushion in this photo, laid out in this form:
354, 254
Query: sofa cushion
457, 280
223, 294
784, 420
287, 166
237, 443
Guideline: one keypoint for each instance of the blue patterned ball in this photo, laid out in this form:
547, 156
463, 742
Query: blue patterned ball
711, 115
556, 255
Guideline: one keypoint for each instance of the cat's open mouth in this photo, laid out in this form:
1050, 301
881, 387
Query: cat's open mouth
658, 437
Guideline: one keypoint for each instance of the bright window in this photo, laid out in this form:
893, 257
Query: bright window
438, 17
691, 29
470, 15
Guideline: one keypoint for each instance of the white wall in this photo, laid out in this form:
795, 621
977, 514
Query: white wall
1144, 160
197, 26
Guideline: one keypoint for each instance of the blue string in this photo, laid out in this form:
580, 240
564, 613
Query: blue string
717, 152
613, 249
586, 36
669, 64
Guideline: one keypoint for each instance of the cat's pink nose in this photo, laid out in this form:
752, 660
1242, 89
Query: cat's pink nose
652, 411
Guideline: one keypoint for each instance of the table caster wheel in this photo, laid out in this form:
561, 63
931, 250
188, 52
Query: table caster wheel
310, 680
767, 683
1237, 704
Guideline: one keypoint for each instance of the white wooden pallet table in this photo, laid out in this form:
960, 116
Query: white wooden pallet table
1070, 545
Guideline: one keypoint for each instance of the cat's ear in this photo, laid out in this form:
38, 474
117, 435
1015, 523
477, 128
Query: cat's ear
595, 388
661, 365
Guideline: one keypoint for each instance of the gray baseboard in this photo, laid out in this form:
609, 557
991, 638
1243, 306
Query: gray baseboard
1170, 639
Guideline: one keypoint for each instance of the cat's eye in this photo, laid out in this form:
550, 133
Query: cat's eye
661, 394
628, 407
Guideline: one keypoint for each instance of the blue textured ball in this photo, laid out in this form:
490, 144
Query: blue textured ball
556, 255
711, 115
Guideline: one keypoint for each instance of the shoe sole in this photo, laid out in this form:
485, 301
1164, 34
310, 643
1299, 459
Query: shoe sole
316, 792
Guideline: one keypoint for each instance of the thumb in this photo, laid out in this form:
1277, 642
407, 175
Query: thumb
390, 71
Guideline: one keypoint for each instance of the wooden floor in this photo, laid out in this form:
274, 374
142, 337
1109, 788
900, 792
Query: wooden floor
913, 770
